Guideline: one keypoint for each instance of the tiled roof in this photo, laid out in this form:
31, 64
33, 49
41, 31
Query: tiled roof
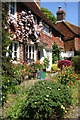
69, 30
75, 29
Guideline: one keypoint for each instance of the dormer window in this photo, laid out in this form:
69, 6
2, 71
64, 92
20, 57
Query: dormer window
12, 8
60, 37
35, 22
46, 29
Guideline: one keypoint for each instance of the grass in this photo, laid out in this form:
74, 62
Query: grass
20, 92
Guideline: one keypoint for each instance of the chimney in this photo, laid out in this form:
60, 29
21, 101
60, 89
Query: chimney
60, 14
59, 8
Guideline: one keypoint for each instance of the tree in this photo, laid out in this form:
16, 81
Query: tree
49, 15
55, 53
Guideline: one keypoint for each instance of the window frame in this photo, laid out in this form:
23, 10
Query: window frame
14, 14
49, 33
44, 29
30, 53
13, 50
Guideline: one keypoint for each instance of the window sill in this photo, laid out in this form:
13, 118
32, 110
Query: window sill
14, 16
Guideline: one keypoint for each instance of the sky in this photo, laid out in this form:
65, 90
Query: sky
71, 9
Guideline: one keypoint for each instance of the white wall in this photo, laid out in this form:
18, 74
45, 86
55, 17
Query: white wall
67, 54
47, 53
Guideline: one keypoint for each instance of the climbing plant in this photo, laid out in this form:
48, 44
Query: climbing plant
55, 53
25, 27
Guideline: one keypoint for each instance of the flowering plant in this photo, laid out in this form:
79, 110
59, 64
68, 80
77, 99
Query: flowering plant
38, 65
67, 76
65, 63
54, 68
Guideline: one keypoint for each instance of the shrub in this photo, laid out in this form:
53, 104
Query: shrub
8, 79
45, 100
38, 65
65, 63
12, 113
67, 76
76, 63
54, 68
46, 62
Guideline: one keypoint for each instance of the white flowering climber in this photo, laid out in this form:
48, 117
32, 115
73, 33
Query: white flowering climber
25, 28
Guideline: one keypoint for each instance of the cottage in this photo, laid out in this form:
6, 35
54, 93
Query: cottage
71, 35
33, 51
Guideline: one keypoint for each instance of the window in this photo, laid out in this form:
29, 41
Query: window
60, 38
14, 50
10, 50
12, 8
35, 22
29, 52
46, 29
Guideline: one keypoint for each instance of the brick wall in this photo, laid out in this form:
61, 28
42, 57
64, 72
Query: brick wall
77, 44
69, 45
50, 40
59, 42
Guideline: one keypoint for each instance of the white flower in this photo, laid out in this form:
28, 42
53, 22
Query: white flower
47, 95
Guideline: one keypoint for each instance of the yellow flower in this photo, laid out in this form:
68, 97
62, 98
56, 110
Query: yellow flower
62, 107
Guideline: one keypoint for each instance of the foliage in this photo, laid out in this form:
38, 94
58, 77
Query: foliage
54, 68
20, 72
38, 65
55, 53
76, 63
8, 80
44, 100
65, 63
15, 110
46, 62
67, 76
49, 15
77, 52
24, 71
